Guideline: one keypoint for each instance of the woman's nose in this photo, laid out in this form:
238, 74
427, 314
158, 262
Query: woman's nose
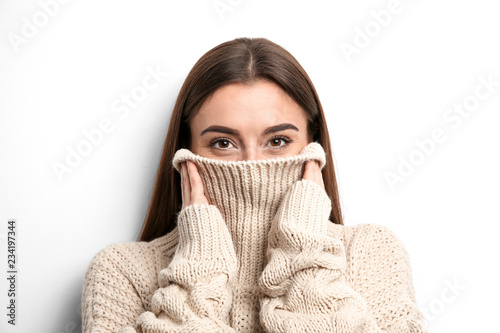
252, 154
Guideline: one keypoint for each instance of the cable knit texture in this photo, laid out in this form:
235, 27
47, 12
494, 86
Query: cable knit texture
261, 256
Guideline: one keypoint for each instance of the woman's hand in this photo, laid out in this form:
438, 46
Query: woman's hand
312, 172
191, 185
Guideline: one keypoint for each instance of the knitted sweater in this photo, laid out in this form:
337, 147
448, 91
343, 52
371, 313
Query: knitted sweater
261, 256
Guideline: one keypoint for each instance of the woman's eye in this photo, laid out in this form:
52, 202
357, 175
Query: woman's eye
220, 144
275, 142
224, 144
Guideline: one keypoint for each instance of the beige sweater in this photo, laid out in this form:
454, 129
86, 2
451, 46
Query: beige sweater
262, 256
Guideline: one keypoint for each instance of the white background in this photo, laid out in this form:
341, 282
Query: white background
67, 75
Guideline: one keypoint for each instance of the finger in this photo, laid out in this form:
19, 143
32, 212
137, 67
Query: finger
313, 172
186, 194
320, 175
197, 192
305, 174
183, 189
308, 171
188, 185
317, 172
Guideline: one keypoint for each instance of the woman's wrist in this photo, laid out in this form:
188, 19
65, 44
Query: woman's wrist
203, 233
306, 207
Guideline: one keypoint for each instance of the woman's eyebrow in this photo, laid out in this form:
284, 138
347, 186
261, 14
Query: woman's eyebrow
227, 130
280, 127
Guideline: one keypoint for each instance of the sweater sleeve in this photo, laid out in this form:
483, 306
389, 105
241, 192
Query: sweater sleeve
303, 285
195, 293
109, 300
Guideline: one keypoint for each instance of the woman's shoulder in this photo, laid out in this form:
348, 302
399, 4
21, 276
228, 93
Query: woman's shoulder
138, 253
365, 235
136, 264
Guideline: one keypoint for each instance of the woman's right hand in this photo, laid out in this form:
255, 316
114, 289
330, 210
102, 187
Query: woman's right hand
195, 289
191, 185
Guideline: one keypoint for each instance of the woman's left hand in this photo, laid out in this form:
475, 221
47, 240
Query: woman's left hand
312, 172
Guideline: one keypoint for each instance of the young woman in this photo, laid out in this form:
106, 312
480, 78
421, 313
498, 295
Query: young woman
244, 230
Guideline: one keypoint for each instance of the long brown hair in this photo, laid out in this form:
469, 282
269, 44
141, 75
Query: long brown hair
242, 60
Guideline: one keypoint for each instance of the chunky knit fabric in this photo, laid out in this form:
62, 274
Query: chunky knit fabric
261, 256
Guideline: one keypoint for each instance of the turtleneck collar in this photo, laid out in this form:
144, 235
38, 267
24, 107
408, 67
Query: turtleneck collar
248, 194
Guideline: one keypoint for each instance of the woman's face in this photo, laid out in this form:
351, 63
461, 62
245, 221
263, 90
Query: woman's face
249, 122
